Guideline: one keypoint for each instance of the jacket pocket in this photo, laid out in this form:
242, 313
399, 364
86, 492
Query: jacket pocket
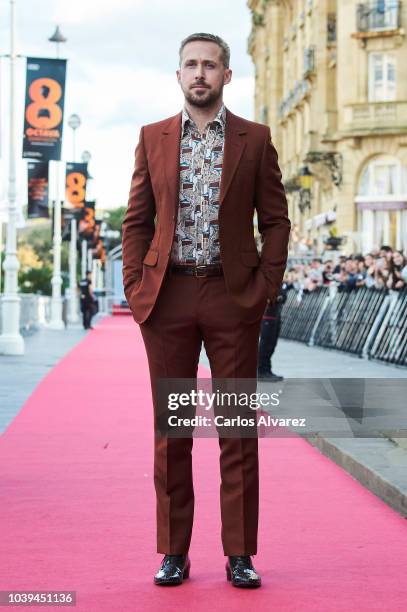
250, 258
151, 258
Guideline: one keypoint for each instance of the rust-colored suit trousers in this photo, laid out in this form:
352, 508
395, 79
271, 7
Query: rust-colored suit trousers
190, 311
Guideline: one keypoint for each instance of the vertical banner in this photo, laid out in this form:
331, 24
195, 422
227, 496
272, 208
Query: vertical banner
44, 108
98, 247
37, 190
67, 214
87, 222
75, 184
96, 232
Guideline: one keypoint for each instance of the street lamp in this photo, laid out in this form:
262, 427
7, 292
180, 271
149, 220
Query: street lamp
56, 282
305, 177
57, 38
86, 157
74, 122
11, 341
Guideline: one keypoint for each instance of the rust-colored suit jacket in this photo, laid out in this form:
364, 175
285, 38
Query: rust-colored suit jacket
251, 180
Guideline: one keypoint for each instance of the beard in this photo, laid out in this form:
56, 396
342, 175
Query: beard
206, 98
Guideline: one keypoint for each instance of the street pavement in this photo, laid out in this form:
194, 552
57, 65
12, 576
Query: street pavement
19, 375
378, 463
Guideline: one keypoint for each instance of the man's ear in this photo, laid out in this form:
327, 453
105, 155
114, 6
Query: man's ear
228, 76
178, 73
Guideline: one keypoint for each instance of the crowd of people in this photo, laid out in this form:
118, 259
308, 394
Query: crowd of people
381, 268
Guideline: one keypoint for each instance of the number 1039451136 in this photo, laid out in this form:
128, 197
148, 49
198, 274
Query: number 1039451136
40, 598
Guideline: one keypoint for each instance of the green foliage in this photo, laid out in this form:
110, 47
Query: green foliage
38, 279
35, 280
114, 218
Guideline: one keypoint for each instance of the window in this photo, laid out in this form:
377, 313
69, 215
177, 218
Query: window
382, 77
387, 13
377, 15
383, 177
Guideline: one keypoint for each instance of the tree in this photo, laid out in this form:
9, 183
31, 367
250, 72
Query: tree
114, 218
35, 254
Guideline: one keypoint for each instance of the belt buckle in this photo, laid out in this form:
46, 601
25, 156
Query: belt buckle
196, 270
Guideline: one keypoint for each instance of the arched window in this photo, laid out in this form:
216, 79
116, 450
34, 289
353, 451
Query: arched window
383, 176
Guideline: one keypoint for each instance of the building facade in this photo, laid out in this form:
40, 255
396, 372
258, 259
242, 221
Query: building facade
331, 82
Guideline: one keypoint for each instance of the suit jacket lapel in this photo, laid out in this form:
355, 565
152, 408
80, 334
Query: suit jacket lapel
170, 145
235, 143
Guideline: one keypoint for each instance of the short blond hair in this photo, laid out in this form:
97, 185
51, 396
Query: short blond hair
210, 38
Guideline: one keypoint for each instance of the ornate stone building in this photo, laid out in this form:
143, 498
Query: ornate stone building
331, 81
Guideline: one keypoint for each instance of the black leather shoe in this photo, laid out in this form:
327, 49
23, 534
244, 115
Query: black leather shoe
240, 571
269, 376
173, 570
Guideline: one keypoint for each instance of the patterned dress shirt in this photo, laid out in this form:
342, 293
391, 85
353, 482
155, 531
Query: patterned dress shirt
196, 239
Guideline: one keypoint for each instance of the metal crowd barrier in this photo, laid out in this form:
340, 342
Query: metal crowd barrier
390, 344
371, 323
348, 319
301, 313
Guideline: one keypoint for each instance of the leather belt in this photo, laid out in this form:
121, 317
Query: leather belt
200, 270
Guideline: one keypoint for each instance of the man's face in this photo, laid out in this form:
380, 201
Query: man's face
202, 74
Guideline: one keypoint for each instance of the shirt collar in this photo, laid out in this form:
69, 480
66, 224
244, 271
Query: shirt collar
220, 118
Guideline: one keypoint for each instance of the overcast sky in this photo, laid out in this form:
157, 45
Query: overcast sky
122, 56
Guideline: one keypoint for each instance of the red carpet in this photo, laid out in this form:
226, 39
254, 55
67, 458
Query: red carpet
78, 506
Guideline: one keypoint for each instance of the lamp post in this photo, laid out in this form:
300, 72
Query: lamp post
11, 341
73, 316
57, 38
86, 157
74, 123
56, 282
84, 262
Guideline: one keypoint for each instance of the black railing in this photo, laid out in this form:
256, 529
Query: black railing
349, 319
301, 313
390, 343
366, 322
378, 15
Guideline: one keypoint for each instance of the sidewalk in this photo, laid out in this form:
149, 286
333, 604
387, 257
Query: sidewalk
19, 375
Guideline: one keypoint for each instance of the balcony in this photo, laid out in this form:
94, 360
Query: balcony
378, 16
294, 97
309, 62
375, 117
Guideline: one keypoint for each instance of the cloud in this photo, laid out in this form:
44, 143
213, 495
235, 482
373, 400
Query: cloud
81, 12
122, 58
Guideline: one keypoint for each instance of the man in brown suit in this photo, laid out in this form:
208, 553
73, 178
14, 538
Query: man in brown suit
192, 274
